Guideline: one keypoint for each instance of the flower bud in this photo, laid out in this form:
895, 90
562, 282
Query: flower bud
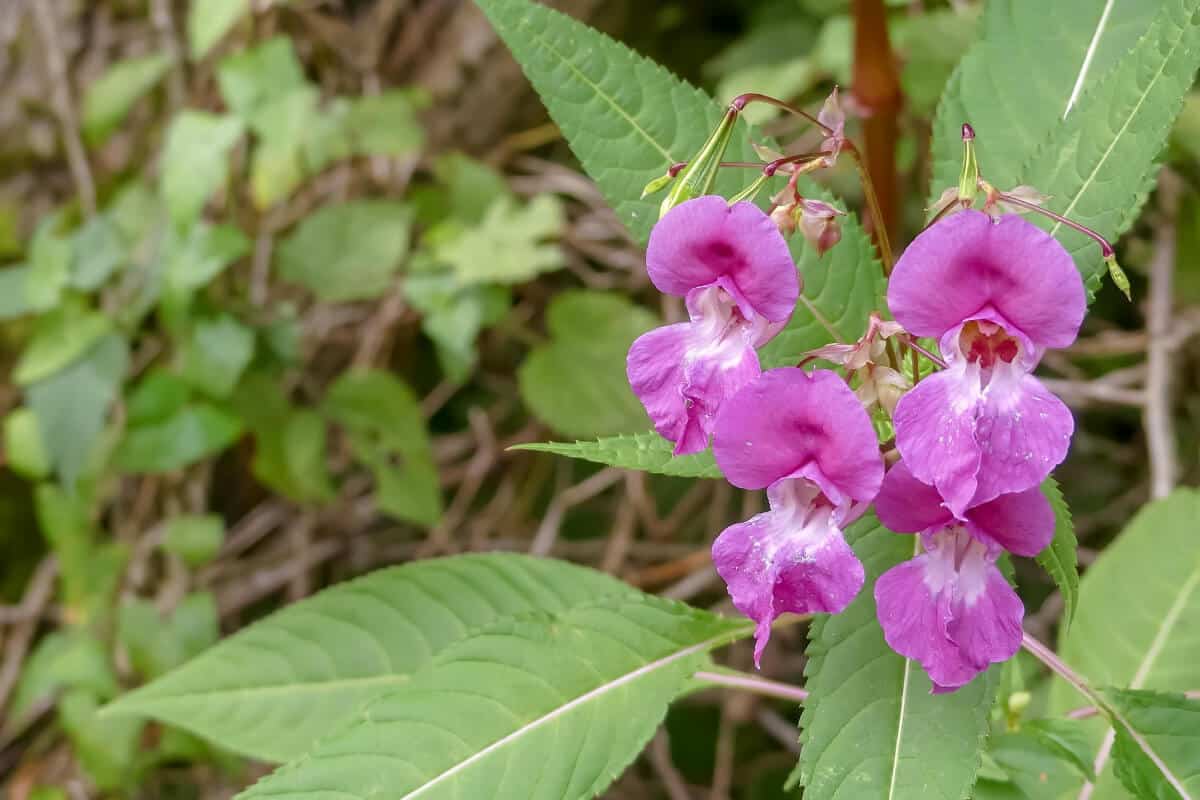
1118, 275
819, 224
784, 218
657, 185
697, 178
834, 118
968, 179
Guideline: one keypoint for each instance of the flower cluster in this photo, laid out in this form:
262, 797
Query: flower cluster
975, 439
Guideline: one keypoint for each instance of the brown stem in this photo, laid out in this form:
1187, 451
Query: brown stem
877, 90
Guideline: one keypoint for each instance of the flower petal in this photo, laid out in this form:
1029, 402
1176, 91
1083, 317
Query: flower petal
1020, 522
1023, 431
965, 264
935, 433
772, 566
914, 620
906, 505
789, 420
682, 379
706, 241
985, 625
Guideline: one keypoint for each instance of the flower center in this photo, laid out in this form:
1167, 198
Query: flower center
987, 344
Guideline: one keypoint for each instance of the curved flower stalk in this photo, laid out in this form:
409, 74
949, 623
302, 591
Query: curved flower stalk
734, 269
807, 440
950, 608
995, 295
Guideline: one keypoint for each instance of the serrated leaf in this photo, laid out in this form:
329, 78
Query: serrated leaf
209, 21
628, 119
110, 97
576, 383
549, 707
1088, 125
348, 251
194, 162
871, 726
647, 452
387, 433
1023, 768
1156, 754
1059, 558
1137, 606
1065, 738
270, 692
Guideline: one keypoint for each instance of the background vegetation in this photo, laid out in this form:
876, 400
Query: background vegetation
285, 280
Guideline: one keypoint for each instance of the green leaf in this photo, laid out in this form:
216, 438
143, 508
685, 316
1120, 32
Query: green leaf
156, 643
510, 245
191, 434
194, 259
49, 272
1013, 110
1093, 150
932, 44
1059, 557
194, 161
64, 659
576, 383
60, 338
647, 452
872, 727
1024, 768
106, 748
1065, 738
99, 251
387, 433
195, 538
273, 689
386, 124
465, 189
23, 444
89, 571
627, 120
1156, 754
217, 352
13, 302
72, 405
252, 78
453, 316
548, 707
348, 251
209, 21
110, 97
1137, 604
283, 126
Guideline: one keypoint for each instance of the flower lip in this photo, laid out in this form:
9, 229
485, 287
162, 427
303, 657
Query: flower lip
706, 241
790, 423
968, 267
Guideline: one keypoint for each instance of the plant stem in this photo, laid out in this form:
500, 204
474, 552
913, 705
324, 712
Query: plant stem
912, 343
731, 679
1048, 657
743, 100
877, 218
1106, 249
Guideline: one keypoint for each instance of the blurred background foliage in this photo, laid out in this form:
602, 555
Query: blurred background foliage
284, 280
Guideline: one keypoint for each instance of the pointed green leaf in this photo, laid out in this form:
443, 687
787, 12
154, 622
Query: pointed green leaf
273, 689
549, 707
1059, 559
110, 97
628, 119
209, 21
1138, 605
871, 727
1156, 754
194, 162
647, 452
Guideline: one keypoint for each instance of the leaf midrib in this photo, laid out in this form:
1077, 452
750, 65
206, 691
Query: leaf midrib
1124, 127
581, 700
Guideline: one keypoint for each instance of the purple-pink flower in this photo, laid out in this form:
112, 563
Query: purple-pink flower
807, 440
950, 608
995, 295
733, 267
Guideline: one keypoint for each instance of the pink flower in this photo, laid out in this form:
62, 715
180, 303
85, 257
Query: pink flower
733, 267
995, 295
805, 439
950, 608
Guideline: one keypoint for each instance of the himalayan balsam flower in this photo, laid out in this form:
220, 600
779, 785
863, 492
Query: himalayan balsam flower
995, 295
806, 440
950, 608
733, 267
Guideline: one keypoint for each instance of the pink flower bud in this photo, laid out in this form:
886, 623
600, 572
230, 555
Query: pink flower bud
834, 118
818, 223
